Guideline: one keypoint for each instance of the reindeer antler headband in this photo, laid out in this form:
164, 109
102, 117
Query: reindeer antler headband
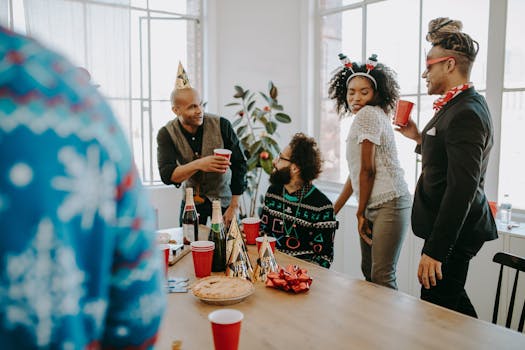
371, 63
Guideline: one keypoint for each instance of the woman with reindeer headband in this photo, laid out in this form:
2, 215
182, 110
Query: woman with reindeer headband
369, 91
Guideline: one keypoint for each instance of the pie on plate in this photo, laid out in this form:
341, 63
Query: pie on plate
222, 290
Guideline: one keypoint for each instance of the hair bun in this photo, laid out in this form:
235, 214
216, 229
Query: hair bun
440, 27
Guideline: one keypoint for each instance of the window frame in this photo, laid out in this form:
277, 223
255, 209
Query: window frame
494, 91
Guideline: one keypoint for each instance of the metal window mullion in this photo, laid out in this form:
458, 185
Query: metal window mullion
138, 8
363, 32
130, 91
141, 64
150, 122
335, 10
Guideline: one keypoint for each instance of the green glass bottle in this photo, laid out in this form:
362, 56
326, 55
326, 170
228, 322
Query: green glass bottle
218, 236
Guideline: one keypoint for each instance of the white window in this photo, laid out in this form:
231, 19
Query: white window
512, 155
394, 30
130, 47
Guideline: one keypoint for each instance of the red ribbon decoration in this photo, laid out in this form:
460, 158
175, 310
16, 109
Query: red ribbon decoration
293, 278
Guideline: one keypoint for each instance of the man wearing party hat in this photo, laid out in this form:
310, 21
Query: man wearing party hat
185, 153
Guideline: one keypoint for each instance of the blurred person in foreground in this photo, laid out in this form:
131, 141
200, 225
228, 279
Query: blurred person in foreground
295, 212
451, 212
79, 267
185, 153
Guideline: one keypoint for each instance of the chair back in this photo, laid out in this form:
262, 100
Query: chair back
517, 263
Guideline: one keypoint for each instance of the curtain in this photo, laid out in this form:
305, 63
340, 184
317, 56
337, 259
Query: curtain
93, 35
4, 13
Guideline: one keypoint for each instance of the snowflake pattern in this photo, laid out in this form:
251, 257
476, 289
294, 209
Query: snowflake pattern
69, 169
43, 284
90, 188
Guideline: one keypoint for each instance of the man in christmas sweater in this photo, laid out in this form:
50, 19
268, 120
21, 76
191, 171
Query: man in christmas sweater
295, 212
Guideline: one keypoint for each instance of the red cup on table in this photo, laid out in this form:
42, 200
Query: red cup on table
493, 208
259, 240
403, 109
226, 328
165, 251
202, 253
223, 152
251, 229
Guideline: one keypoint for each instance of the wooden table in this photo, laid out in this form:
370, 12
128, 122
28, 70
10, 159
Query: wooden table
337, 313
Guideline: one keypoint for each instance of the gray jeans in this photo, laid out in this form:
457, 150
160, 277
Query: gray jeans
389, 227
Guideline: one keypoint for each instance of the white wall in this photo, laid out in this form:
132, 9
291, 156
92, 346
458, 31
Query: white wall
250, 43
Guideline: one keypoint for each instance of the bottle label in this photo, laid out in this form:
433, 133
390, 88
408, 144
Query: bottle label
188, 230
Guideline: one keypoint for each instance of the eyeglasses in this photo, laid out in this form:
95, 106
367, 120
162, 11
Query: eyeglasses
280, 156
437, 60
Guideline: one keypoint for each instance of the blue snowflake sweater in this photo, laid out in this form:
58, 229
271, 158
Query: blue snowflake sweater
78, 263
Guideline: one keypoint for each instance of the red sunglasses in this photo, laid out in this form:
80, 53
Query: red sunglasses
437, 60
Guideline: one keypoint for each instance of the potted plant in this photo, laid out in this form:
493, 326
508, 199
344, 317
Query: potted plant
256, 129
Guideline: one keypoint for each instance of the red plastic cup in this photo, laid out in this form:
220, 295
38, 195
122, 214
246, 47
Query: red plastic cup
251, 229
165, 250
403, 110
226, 328
271, 240
223, 152
202, 253
493, 208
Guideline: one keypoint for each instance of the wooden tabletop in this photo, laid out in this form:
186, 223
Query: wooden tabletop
337, 313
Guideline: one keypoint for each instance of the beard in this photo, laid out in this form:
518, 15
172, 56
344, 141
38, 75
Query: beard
281, 176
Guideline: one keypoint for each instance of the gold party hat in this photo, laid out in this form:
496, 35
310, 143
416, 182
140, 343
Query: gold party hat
182, 81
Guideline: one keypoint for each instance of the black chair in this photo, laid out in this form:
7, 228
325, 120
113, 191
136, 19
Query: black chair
513, 262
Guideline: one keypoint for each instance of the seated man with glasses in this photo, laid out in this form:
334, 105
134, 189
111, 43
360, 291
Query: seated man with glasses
295, 212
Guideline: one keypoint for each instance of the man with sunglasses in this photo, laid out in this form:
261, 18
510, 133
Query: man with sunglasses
185, 153
451, 212
295, 212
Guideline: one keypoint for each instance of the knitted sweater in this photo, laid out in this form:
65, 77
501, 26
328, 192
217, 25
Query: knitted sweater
302, 222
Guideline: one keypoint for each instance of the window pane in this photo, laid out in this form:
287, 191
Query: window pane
168, 47
339, 33
328, 4
161, 114
178, 6
476, 26
515, 48
401, 50
512, 154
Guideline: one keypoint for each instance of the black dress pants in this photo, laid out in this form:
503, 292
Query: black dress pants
450, 292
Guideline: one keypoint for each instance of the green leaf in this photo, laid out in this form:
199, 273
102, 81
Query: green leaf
250, 106
252, 162
267, 165
263, 119
232, 104
268, 140
241, 130
283, 118
277, 107
255, 147
269, 100
236, 122
239, 91
272, 89
250, 98
246, 92
271, 127
248, 139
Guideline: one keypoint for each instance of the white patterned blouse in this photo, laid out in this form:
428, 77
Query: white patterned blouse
371, 123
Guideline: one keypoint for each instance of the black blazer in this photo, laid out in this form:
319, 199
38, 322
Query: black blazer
450, 207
